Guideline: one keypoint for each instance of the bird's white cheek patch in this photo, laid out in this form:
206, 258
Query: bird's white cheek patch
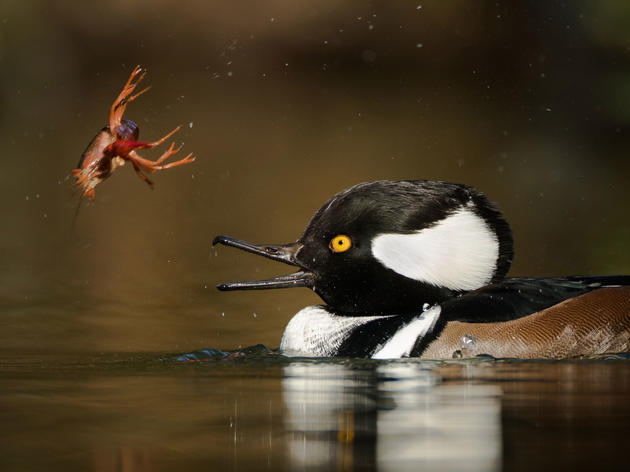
460, 252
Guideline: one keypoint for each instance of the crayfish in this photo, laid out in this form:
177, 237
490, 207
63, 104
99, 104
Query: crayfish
117, 143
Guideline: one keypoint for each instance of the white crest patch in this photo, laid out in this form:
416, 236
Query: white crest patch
314, 331
403, 341
460, 252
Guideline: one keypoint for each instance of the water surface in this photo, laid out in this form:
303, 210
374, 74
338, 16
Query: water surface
266, 412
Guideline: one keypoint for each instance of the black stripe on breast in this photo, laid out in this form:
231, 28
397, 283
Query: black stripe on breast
365, 339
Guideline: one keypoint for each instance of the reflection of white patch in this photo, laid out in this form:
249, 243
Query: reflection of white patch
405, 338
413, 420
314, 331
440, 427
460, 252
322, 397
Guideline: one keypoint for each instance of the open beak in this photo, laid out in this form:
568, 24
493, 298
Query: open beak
284, 253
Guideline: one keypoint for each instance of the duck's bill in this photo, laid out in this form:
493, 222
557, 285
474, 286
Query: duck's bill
283, 253
297, 279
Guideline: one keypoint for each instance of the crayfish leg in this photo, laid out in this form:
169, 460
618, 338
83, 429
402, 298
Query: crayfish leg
117, 109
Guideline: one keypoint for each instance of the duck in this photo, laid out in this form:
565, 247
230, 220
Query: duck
418, 268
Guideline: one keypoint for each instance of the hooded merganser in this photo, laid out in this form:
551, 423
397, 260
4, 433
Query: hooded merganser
418, 268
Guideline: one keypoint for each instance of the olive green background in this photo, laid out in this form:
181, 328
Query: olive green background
285, 103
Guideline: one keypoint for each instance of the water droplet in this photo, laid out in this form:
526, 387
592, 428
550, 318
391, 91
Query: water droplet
468, 343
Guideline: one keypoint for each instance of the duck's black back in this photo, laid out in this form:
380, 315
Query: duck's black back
517, 297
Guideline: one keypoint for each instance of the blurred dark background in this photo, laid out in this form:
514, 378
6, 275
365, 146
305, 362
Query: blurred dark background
285, 103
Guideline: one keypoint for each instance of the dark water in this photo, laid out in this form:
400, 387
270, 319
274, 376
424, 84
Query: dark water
266, 412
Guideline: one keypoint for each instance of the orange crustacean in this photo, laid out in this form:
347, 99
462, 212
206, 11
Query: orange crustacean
117, 143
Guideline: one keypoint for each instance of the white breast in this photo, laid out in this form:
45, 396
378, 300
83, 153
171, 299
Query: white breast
314, 331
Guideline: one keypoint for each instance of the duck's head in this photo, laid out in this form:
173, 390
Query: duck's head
390, 247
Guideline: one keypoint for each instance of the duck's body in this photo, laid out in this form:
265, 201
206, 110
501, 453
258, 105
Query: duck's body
417, 268
592, 323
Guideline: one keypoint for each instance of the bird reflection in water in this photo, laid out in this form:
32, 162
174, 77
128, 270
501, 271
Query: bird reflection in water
393, 416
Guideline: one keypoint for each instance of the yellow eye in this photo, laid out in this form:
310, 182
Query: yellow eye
340, 243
